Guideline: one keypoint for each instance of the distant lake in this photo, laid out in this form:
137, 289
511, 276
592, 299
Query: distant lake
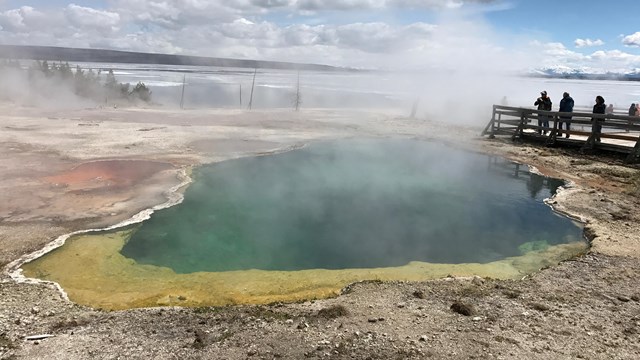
435, 91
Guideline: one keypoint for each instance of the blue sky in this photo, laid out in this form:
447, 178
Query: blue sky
585, 35
565, 21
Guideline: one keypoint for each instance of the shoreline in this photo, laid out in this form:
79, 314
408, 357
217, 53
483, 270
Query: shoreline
15, 271
584, 307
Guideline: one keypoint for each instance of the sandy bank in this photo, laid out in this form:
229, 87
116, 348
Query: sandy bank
587, 307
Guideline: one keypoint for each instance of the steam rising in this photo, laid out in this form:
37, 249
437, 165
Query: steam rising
351, 204
36, 90
454, 67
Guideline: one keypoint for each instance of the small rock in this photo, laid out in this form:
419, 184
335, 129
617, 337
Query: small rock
303, 325
35, 310
373, 320
477, 280
462, 308
635, 297
540, 306
289, 321
419, 294
38, 337
623, 298
401, 305
424, 338
476, 318
202, 339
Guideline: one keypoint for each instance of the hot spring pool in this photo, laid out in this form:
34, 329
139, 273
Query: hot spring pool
305, 223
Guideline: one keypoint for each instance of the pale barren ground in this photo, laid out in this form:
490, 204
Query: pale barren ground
583, 308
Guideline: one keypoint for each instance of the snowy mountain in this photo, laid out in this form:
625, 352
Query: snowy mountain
565, 72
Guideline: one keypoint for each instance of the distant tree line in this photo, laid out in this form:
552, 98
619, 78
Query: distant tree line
84, 83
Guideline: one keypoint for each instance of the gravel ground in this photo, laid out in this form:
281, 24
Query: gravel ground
587, 308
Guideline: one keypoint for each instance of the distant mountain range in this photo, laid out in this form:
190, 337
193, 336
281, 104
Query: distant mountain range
564, 72
51, 53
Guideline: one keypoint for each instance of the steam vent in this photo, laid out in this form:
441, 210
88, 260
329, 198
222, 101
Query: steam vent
304, 224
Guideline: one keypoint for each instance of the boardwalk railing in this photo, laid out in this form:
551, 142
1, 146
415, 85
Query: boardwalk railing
619, 133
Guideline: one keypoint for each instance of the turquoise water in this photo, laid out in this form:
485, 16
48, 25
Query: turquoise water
353, 204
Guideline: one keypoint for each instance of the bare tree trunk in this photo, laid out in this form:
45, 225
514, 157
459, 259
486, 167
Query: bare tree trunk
253, 83
414, 109
184, 80
298, 100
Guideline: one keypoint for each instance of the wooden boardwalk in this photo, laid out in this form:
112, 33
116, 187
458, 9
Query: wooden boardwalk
620, 133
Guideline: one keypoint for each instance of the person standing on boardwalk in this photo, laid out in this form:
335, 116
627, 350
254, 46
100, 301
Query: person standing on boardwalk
609, 110
566, 105
633, 111
599, 108
544, 103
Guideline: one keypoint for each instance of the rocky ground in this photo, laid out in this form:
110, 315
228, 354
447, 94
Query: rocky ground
588, 307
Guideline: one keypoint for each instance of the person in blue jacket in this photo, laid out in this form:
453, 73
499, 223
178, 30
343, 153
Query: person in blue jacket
566, 105
543, 103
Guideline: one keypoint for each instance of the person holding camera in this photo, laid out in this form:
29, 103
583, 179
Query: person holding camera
543, 103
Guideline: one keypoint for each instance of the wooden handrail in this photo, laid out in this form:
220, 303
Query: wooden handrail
514, 120
572, 114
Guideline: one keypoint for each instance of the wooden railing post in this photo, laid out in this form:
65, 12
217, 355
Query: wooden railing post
490, 125
519, 131
554, 132
493, 123
591, 141
634, 155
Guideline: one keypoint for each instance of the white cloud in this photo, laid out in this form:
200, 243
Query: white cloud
617, 56
167, 12
238, 28
632, 40
87, 18
24, 19
556, 55
320, 5
138, 41
247, 29
580, 43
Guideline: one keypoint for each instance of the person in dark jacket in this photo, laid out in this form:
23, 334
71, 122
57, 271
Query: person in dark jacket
566, 105
633, 111
598, 108
543, 103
